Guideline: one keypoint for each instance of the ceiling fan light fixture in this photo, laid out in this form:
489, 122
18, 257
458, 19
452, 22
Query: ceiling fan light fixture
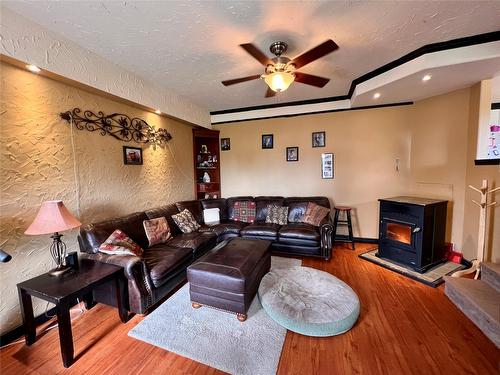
279, 81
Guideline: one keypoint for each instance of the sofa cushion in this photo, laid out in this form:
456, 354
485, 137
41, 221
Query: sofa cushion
216, 203
315, 214
261, 230
244, 211
118, 243
322, 201
262, 203
277, 214
194, 207
198, 242
157, 230
186, 221
301, 231
233, 227
230, 204
167, 212
93, 235
163, 262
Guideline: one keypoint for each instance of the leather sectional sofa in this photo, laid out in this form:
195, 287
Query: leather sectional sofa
163, 267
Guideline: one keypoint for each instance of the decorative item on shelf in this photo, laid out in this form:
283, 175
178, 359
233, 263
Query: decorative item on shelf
206, 177
318, 139
327, 166
267, 141
117, 125
132, 155
292, 153
483, 207
225, 144
54, 217
204, 149
214, 158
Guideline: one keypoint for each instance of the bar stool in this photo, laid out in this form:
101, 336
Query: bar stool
348, 222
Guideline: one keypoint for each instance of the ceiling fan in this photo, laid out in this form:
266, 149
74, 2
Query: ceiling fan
280, 71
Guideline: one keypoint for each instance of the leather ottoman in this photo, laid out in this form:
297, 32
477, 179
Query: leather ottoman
227, 278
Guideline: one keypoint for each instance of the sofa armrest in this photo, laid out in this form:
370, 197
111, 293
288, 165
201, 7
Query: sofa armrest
326, 230
140, 287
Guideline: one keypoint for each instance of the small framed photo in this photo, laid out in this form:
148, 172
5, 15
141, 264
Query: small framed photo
225, 144
267, 140
318, 139
327, 165
132, 155
292, 154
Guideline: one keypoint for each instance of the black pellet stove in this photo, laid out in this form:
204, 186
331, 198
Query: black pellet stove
412, 231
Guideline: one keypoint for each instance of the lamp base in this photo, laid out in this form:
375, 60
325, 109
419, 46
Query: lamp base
59, 270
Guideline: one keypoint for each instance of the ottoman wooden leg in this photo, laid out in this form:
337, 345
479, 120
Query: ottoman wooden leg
241, 317
195, 305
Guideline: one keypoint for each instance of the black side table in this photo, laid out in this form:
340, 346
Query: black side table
63, 291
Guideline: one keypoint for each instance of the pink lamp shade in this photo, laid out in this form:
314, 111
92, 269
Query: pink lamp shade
52, 217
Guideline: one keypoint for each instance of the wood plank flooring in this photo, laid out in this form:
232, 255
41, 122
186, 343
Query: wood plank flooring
404, 328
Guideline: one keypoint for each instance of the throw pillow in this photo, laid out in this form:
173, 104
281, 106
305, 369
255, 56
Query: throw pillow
120, 244
277, 214
315, 214
157, 230
211, 216
244, 211
186, 221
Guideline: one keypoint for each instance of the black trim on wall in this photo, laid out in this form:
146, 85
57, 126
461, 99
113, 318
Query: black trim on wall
487, 162
495, 105
429, 48
316, 112
18, 331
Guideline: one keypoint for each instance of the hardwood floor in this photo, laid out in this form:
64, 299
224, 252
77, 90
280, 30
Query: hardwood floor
404, 328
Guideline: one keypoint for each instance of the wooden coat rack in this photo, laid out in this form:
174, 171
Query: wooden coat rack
483, 206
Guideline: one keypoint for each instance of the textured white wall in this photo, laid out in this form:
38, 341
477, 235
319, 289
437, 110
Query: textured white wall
29, 42
37, 165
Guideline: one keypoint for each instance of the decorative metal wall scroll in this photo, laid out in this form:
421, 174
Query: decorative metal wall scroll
117, 125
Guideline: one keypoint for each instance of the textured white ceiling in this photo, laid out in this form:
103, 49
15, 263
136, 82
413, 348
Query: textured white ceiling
190, 47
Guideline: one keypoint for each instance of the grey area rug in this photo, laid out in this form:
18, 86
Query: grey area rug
432, 277
216, 338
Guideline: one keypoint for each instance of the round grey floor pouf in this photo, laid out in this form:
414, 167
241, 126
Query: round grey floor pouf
309, 301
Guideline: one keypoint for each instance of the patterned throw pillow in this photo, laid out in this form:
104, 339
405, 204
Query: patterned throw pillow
120, 244
315, 214
157, 230
277, 214
186, 221
244, 211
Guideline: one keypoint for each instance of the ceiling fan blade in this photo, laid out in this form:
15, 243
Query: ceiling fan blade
270, 93
310, 79
239, 80
313, 54
256, 53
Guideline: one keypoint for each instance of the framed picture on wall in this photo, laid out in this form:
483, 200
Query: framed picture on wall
292, 153
132, 155
267, 141
318, 139
327, 165
225, 144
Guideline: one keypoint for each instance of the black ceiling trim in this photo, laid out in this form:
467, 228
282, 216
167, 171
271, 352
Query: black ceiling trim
316, 112
487, 162
429, 48
495, 105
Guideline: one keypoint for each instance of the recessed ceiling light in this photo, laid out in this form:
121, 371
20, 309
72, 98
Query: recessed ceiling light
426, 77
158, 112
33, 68
376, 95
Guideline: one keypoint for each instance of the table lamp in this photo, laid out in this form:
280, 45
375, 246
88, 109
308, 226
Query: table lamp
54, 217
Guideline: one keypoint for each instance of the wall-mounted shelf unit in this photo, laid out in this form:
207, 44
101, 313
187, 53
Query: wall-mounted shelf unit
206, 159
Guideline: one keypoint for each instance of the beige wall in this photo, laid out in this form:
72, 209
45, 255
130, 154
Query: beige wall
438, 154
37, 165
365, 143
480, 105
431, 139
